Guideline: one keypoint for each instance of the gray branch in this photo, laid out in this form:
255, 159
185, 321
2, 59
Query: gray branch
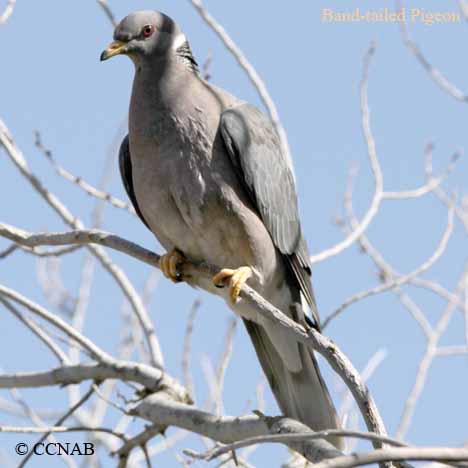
160, 410
311, 338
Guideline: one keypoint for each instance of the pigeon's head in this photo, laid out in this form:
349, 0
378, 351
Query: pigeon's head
145, 34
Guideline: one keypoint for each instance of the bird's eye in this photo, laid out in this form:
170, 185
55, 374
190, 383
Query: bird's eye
147, 30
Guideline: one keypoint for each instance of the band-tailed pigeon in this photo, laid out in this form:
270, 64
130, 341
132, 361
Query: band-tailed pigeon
206, 174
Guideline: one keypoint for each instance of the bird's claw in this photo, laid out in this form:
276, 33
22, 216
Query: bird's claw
235, 279
170, 264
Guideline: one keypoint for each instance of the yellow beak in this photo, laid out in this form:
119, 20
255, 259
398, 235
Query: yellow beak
114, 48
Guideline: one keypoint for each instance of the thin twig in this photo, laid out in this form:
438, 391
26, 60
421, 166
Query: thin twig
86, 343
59, 422
187, 352
164, 444
36, 419
14, 409
296, 437
39, 253
107, 11
387, 273
452, 350
139, 440
397, 454
7, 12
374, 165
108, 401
436, 75
8, 251
79, 181
396, 281
252, 74
223, 364
54, 429
49, 277
38, 331
78, 314
6, 140
426, 361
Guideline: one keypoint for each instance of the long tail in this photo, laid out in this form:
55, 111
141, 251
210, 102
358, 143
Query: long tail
300, 395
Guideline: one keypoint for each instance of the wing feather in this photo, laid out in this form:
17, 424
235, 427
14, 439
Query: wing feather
125, 166
255, 151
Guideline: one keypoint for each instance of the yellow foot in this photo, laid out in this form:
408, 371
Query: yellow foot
170, 264
236, 278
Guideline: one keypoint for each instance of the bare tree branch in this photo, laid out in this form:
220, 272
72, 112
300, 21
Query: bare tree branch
79, 181
426, 361
7, 12
150, 378
295, 437
60, 421
51, 429
36, 419
138, 441
38, 331
159, 410
397, 281
397, 454
186, 355
436, 75
312, 338
375, 168
87, 344
107, 11
118, 274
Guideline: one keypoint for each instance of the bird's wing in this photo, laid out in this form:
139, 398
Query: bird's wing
125, 166
255, 151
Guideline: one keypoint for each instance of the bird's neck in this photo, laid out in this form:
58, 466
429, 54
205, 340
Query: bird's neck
167, 68
162, 92
165, 77
157, 82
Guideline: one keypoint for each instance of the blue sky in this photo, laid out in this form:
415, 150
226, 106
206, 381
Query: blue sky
52, 81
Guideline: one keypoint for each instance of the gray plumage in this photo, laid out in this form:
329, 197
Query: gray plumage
207, 176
